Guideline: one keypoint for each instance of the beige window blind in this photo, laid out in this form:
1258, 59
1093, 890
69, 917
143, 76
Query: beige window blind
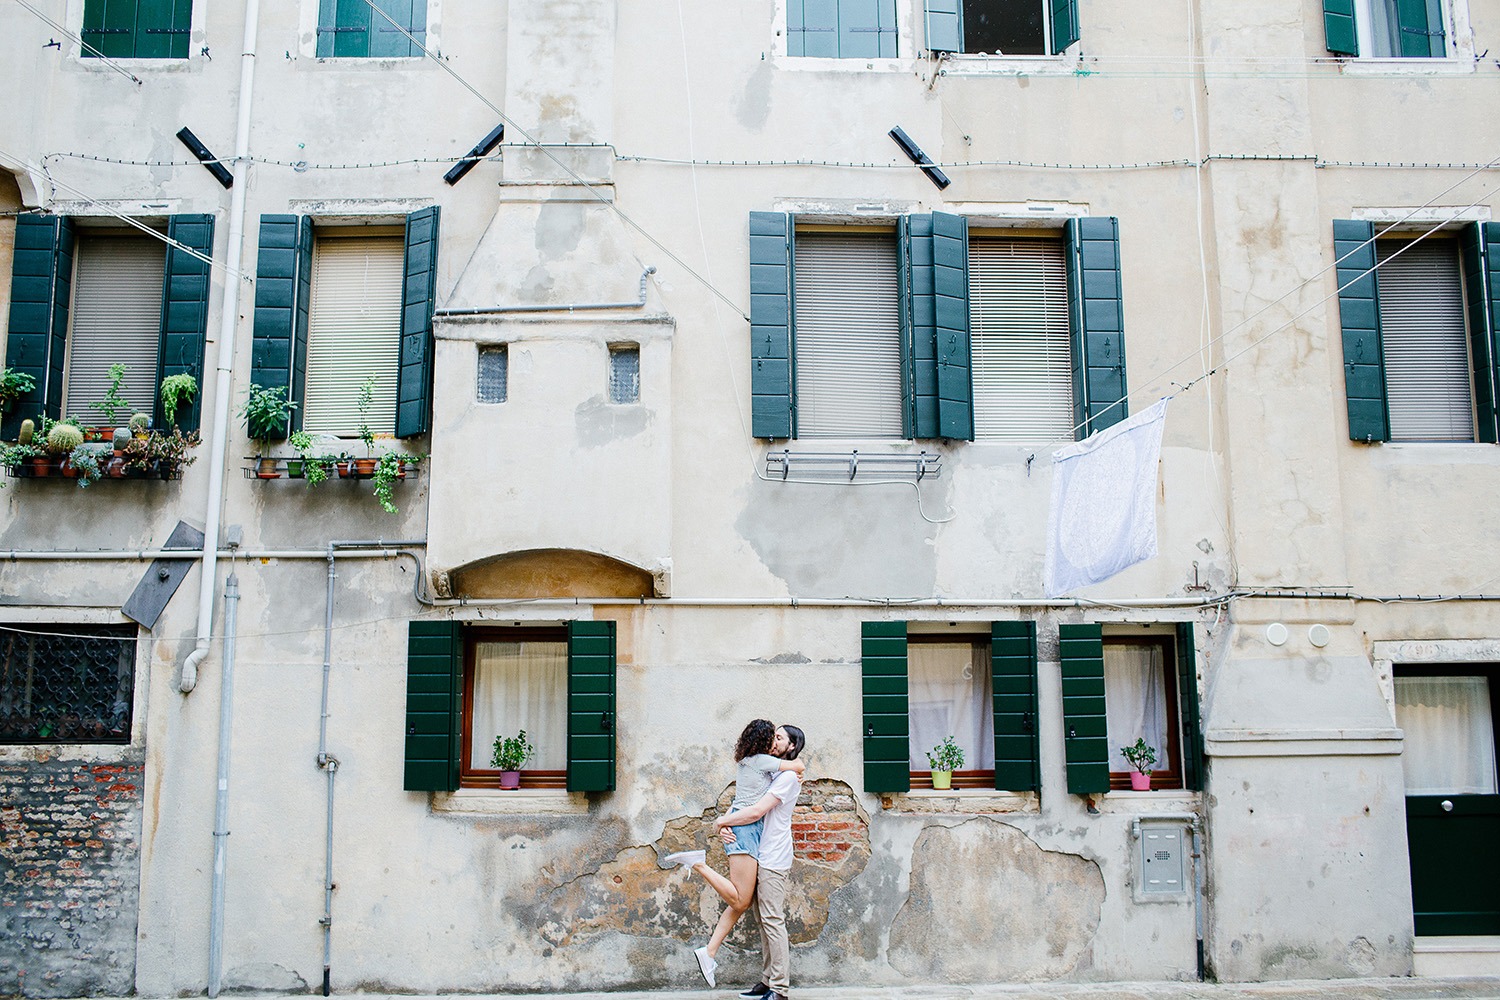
1018, 329
848, 336
1422, 334
354, 332
117, 293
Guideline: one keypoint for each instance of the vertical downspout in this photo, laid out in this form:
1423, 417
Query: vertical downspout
231, 308
330, 765
221, 802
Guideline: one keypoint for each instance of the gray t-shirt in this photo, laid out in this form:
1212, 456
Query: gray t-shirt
752, 777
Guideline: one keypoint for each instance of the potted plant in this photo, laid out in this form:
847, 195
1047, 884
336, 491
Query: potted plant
366, 466
13, 385
510, 753
176, 390
944, 759
114, 402
387, 470
139, 423
62, 438
1141, 756
266, 412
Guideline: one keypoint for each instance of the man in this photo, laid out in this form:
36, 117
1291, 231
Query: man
777, 807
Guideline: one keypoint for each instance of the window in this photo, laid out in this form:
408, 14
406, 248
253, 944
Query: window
1387, 29
66, 683
848, 29
351, 28
625, 374
86, 297
923, 687
937, 327
494, 371
514, 680
337, 308
1119, 688
465, 685
1419, 332
137, 29
1001, 27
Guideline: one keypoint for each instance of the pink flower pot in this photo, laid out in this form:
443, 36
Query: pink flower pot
510, 779
1140, 782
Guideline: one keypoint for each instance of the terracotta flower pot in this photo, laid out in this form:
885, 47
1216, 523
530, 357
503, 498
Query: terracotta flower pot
267, 469
364, 466
41, 465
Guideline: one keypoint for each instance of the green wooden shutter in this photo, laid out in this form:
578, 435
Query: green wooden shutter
344, 28
418, 290
184, 312
1187, 697
434, 705
1339, 34
110, 27
1475, 248
770, 325
945, 31
1096, 321
1085, 737
1013, 668
887, 727
1420, 23
591, 706
950, 284
280, 302
1491, 245
1064, 24
40, 290
1359, 317
919, 318
388, 43
162, 28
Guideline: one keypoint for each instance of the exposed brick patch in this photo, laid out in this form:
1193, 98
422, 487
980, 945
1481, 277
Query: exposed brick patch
827, 825
69, 877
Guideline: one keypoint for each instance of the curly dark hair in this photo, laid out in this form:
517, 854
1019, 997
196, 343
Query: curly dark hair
755, 739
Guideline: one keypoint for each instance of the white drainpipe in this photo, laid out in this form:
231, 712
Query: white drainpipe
231, 307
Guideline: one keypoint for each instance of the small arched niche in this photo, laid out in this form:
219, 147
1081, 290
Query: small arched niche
550, 573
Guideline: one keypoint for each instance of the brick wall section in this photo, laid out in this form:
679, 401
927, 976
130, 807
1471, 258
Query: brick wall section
69, 876
826, 824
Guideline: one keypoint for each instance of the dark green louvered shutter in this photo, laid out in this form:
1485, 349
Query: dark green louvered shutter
1359, 318
1481, 264
300, 318
138, 29
388, 43
40, 289
184, 312
887, 728
591, 706
945, 31
950, 274
770, 325
1420, 25
1085, 736
434, 705
1064, 24
1187, 696
1013, 669
419, 288
1339, 34
344, 28
919, 322
280, 289
1096, 323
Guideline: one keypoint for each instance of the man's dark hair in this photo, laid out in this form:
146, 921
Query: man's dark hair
796, 741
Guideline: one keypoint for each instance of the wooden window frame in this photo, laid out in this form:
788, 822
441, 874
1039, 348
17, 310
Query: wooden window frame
977, 778
485, 777
1171, 776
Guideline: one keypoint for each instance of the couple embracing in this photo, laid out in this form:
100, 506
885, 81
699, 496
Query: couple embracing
757, 837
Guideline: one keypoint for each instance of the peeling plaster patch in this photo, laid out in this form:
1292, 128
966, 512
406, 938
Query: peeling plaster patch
600, 423
752, 107
783, 658
264, 977
946, 903
559, 228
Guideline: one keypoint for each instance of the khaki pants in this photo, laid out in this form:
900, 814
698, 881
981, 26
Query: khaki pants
770, 911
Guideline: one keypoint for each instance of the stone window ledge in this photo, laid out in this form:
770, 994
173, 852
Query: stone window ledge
963, 801
510, 802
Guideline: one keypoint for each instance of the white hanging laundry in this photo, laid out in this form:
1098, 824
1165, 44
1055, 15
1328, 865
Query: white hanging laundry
1103, 514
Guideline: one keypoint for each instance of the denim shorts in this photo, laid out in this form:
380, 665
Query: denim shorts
746, 839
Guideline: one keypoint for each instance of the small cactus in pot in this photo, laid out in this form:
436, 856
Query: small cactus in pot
63, 438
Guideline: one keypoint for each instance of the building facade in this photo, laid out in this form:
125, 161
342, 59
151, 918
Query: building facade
723, 384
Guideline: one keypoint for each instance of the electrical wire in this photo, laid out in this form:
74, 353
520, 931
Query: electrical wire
97, 54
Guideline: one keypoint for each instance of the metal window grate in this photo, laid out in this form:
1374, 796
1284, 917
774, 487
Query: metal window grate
66, 683
625, 374
494, 373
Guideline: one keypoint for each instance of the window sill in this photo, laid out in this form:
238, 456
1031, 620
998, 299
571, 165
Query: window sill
960, 800
1410, 66
1432, 453
958, 64
510, 802
835, 64
1131, 803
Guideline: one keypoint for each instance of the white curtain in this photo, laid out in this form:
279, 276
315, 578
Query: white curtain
521, 685
1450, 735
948, 685
1135, 701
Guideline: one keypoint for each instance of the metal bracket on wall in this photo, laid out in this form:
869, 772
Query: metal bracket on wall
828, 465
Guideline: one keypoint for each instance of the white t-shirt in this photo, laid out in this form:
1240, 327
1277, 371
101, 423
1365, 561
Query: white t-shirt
776, 833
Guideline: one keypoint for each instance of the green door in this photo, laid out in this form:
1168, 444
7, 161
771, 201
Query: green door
1452, 806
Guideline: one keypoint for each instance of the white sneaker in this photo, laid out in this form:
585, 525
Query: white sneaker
706, 963
687, 859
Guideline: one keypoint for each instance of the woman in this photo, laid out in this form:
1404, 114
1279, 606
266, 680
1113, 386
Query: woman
754, 771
